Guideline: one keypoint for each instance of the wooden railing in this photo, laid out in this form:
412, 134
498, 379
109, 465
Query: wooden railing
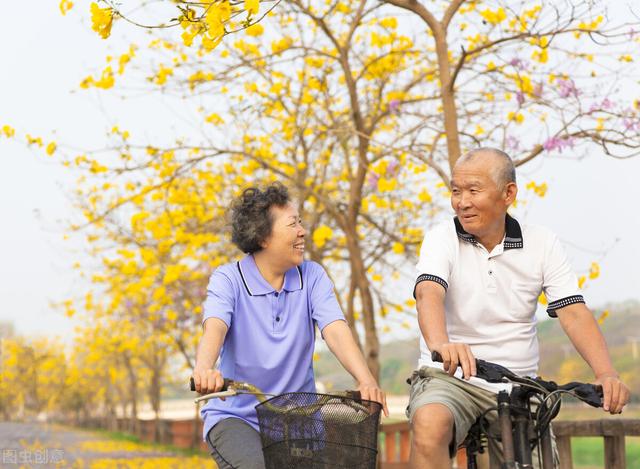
396, 442
613, 431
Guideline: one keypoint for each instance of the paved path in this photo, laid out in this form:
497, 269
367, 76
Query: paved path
44, 446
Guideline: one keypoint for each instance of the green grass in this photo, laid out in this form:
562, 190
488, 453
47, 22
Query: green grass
588, 452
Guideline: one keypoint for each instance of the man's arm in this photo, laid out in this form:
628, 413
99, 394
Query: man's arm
578, 323
340, 341
431, 317
207, 379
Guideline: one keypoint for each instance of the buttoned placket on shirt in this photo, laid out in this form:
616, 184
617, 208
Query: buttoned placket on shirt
278, 300
513, 240
274, 301
490, 265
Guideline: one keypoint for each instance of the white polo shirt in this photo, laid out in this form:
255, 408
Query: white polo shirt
491, 297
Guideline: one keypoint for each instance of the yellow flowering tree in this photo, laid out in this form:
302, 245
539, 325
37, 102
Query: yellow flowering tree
33, 376
361, 117
153, 267
209, 20
542, 73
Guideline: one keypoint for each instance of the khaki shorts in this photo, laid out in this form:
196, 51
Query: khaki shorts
466, 403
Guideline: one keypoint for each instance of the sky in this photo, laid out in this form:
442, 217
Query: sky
592, 204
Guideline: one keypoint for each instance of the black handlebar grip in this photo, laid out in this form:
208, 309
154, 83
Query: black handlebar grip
436, 357
227, 382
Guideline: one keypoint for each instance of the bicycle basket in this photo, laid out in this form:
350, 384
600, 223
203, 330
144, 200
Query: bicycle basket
318, 431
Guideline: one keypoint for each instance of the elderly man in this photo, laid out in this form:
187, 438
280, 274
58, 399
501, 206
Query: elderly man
479, 278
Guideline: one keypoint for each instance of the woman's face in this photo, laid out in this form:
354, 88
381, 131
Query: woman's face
285, 244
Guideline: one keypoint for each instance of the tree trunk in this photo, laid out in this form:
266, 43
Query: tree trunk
155, 394
133, 395
449, 110
358, 272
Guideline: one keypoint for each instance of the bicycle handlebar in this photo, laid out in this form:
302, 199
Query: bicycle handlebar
229, 383
494, 373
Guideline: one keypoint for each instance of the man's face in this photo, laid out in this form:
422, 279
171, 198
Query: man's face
479, 203
286, 241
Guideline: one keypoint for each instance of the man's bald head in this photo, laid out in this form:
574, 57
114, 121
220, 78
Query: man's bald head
503, 171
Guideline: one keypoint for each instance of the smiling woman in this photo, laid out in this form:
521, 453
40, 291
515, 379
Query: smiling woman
260, 318
267, 225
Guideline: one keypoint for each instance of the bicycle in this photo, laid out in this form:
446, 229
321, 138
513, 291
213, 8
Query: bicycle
312, 430
522, 427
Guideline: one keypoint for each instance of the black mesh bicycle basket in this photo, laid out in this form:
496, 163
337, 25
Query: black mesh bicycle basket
318, 431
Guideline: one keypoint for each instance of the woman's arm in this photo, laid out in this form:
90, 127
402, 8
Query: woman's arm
338, 337
207, 379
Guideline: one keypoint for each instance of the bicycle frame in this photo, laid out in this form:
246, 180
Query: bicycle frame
516, 430
518, 434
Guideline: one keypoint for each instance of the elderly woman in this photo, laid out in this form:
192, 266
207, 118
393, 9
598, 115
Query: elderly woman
260, 317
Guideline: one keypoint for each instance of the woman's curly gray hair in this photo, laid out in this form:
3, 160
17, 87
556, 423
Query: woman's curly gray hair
251, 221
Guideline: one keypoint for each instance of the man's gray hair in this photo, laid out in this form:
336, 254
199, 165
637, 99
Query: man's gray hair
503, 173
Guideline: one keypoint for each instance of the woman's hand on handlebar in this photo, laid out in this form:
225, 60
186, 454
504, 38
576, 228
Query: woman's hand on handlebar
207, 380
454, 355
372, 392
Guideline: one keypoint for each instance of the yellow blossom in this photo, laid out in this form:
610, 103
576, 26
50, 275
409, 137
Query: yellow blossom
542, 299
494, 17
125, 59
8, 131
387, 185
34, 140
105, 81
252, 6
517, 117
163, 73
398, 248
188, 36
214, 119
255, 30
541, 55
65, 6
424, 196
581, 281
281, 45
321, 235
215, 18
391, 22
539, 189
603, 316
315, 62
594, 271
101, 20
51, 148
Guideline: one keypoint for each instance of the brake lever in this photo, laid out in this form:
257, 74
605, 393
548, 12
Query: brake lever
590, 393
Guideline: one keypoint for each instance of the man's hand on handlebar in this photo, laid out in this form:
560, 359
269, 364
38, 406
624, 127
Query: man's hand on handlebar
454, 355
207, 381
615, 393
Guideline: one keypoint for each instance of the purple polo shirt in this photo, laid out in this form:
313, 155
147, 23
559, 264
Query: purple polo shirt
271, 334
